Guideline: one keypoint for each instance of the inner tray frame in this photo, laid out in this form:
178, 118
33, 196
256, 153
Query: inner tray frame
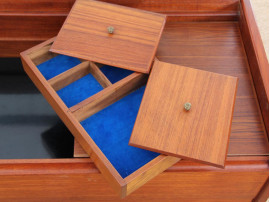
72, 116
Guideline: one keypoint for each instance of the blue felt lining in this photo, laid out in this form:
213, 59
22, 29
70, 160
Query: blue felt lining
111, 129
115, 74
79, 90
82, 88
57, 65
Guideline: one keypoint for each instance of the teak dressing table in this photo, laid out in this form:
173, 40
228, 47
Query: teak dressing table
220, 40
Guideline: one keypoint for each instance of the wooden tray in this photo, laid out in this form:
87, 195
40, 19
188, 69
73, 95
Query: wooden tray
223, 38
80, 92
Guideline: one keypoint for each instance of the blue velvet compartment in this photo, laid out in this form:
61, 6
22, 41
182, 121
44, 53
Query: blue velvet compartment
115, 74
79, 90
82, 88
57, 65
111, 129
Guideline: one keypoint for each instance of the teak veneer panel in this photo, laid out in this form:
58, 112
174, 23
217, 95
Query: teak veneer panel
258, 62
132, 45
218, 47
26, 23
60, 6
79, 180
164, 126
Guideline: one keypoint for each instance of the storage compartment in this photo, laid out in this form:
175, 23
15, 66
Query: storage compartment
57, 65
102, 103
200, 34
75, 80
114, 74
111, 127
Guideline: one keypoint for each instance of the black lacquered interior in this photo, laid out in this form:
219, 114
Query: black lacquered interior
29, 127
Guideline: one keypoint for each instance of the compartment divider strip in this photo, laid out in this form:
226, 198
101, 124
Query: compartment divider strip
60, 81
97, 73
42, 55
108, 96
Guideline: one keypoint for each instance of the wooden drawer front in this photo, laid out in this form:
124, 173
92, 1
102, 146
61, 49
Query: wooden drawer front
53, 180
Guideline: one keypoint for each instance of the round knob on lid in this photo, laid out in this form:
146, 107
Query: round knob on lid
187, 106
110, 29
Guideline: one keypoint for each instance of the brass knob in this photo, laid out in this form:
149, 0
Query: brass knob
110, 29
187, 106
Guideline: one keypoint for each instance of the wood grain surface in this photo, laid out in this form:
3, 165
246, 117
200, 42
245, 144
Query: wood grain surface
79, 180
132, 45
211, 46
64, 6
263, 195
248, 135
25, 23
109, 172
257, 59
111, 93
218, 47
60, 81
78, 150
200, 134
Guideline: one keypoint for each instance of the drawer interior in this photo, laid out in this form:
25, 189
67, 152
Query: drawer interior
199, 35
114, 74
57, 65
110, 126
75, 80
78, 90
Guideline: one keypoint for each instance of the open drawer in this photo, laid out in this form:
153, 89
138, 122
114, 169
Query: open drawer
99, 105
209, 36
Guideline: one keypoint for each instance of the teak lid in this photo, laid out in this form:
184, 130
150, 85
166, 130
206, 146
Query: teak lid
111, 34
186, 113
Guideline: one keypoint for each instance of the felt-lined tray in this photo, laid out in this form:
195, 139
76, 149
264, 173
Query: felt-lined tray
99, 105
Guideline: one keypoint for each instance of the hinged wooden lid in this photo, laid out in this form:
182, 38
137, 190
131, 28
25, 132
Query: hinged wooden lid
186, 113
111, 34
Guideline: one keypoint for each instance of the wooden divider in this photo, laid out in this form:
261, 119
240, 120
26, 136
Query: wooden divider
108, 96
